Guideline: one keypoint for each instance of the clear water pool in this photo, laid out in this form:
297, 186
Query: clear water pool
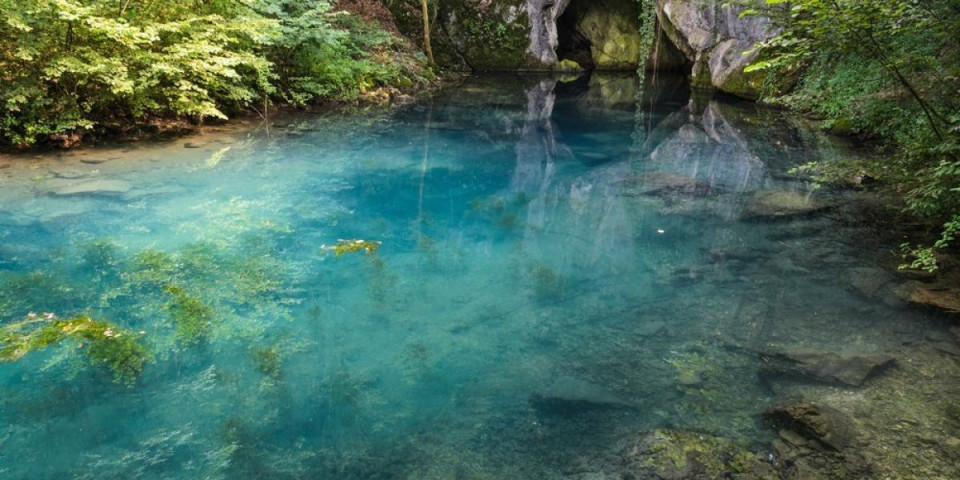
556, 270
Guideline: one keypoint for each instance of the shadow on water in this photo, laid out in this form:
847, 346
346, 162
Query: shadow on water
558, 271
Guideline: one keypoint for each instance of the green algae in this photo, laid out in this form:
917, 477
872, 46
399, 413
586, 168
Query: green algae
268, 360
713, 457
192, 318
104, 343
352, 246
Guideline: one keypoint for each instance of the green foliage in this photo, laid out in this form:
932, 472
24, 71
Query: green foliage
104, 343
320, 53
648, 33
924, 257
69, 66
887, 69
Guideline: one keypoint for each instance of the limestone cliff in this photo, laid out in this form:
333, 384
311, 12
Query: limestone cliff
717, 40
703, 37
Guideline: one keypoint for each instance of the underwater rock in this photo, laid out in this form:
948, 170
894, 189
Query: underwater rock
663, 184
785, 265
937, 295
778, 204
567, 396
816, 442
867, 281
675, 455
68, 173
955, 331
88, 187
649, 328
722, 255
826, 367
688, 275
874, 284
950, 348
814, 426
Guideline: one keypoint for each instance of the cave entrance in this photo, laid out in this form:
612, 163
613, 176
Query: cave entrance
604, 35
572, 43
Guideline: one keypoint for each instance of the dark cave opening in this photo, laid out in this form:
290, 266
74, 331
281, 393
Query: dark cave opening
572, 44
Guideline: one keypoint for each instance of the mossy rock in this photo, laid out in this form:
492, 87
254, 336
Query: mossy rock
681, 454
678, 454
487, 36
407, 15
567, 65
840, 126
777, 204
613, 30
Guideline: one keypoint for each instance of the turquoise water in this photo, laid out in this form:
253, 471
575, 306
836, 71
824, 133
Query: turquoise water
556, 271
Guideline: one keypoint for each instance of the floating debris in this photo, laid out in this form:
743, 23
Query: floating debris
350, 246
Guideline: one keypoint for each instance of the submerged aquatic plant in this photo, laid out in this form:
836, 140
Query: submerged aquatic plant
351, 246
268, 360
548, 285
192, 318
106, 344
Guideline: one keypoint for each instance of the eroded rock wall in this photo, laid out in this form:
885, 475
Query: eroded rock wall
705, 36
717, 41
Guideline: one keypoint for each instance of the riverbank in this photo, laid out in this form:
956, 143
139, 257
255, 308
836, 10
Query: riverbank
74, 71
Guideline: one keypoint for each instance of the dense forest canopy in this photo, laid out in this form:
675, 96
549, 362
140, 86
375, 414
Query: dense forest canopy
72, 66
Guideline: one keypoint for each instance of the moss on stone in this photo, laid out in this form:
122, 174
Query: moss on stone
488, 36
712, 457
567, 65
743, 84
613, 30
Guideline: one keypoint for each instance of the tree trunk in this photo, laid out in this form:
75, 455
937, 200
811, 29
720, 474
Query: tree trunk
426, 32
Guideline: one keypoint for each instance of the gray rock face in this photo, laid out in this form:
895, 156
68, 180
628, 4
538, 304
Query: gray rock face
524, 35
543, 15
715, 38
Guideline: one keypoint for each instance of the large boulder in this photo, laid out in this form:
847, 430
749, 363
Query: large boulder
718, 41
